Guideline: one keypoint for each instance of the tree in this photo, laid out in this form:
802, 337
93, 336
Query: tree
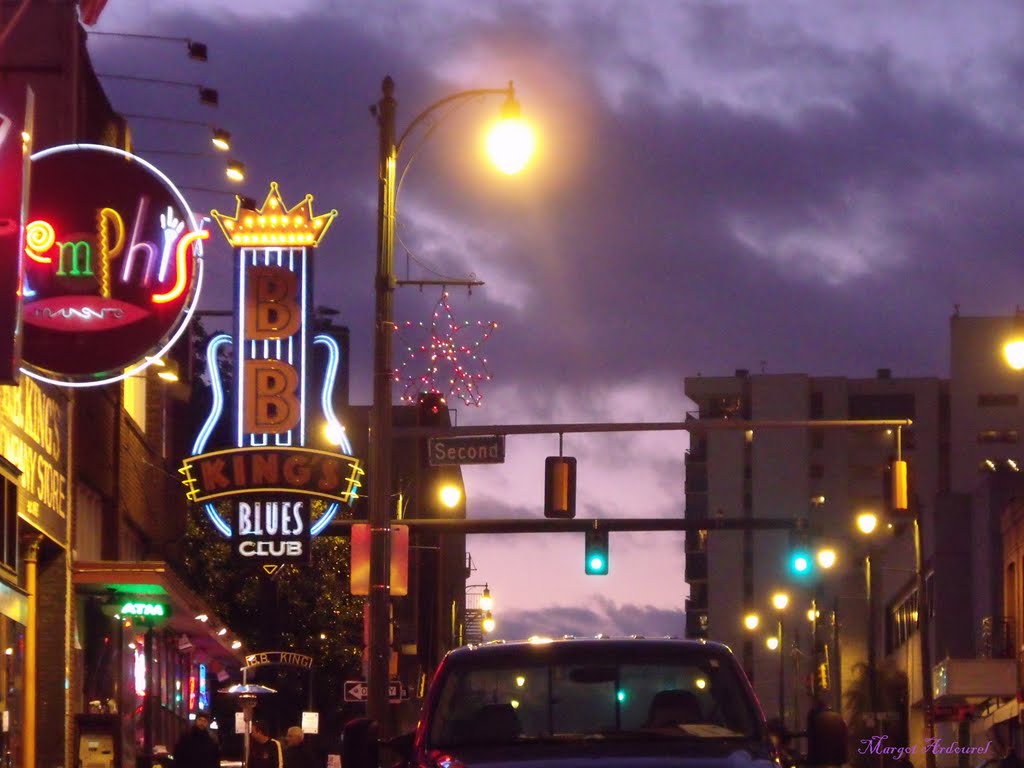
892, 694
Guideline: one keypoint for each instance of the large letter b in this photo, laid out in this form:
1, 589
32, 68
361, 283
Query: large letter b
271, 403
272, 310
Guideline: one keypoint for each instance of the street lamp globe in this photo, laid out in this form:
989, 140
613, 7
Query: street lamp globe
510, 142
1014, 352
450, 495
772, 643
867, 522
780, 600
751, 620
827, 558
486, 602
488, 622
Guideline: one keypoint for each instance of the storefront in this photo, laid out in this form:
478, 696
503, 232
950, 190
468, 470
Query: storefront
153, 655
13, 617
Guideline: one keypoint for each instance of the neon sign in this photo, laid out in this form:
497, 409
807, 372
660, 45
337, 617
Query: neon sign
270, 474
145, 610
112, 262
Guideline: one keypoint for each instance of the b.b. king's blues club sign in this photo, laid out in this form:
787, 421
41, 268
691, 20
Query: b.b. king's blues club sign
260, 493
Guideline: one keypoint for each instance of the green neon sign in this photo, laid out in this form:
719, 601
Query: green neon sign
145, 610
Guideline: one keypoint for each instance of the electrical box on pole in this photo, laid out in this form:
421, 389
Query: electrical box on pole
560, 487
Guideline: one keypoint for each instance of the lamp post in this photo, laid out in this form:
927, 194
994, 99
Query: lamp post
780, 600
390, 145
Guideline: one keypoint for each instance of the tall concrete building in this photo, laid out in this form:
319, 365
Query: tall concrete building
825, 475
964, 456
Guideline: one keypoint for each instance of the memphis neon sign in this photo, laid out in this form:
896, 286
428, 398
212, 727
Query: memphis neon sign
112, 265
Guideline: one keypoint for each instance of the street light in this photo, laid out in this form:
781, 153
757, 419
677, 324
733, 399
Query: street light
751, 621
390, 146
780, 601
196, 51
773, 644
208, 96
220, 138
867, 522
486, 603
488, 622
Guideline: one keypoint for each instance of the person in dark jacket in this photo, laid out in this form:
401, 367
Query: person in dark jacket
264, 752
297, 751
196, 748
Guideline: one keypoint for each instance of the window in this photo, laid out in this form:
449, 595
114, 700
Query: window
895, 406
135, 399
998, 436
9, 523
817, 405
997, 401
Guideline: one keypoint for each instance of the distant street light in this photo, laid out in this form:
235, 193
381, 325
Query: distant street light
772, 643
827, 558
196, 51
780, 600
235, 170
486, 603
488, 622
751, 621
867, 522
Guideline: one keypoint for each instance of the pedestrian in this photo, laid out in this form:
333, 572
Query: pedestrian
298, 752
264, 752
196, 747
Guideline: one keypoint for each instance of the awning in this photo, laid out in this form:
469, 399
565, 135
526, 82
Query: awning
153, 578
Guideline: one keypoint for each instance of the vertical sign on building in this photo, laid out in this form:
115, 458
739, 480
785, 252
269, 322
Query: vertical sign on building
16, 110
270, 477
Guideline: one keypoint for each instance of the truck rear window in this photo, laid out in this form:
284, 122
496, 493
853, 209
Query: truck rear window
526, 697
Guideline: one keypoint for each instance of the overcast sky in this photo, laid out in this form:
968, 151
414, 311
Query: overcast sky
785, 186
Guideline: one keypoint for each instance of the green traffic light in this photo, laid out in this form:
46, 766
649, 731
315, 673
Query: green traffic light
596, 563
596, 553
800, 563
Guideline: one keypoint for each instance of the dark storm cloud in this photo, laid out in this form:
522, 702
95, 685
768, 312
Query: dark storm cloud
601, 616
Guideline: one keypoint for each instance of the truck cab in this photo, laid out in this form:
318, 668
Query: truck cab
586, 702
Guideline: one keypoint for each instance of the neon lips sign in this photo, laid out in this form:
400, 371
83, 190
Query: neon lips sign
113, 265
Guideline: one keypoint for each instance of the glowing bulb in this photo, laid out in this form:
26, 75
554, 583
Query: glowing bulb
780, 600
772, 643
827, 558
450, 496
486, 601
1014, 352
488, 622
510, 144
751, 620
867, 522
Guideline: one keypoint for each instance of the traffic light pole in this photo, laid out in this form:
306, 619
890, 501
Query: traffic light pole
581, 525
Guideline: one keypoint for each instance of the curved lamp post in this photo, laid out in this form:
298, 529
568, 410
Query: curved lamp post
383, 370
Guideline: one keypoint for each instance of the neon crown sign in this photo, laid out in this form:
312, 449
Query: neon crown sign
270, 472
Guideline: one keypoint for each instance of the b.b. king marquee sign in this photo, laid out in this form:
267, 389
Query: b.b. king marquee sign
269, 478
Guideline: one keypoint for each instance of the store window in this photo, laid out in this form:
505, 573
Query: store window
9, 523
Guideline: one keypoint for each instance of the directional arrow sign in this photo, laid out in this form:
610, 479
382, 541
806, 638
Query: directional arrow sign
357, 690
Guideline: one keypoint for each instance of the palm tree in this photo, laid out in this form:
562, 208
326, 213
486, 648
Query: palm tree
892, 697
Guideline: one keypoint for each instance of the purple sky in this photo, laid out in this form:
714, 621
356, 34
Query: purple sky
784, 186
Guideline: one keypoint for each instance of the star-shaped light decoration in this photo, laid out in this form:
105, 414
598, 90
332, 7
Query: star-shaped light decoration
445, 357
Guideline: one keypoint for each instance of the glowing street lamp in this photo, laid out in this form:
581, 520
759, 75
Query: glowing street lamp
379, 517
827, 558
751, 621
867, 522
780, 600
488, 622
486, 602
772, 643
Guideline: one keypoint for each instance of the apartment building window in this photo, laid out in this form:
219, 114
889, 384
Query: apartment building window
1010, 436
9, 509
997, 400
893, 406
817, 405
817, 439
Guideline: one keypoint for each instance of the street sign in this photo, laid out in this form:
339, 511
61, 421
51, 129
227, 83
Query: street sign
476, 449
357, 690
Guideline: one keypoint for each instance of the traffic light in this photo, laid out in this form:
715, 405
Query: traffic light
800, 558
596, 552
431, 409
560, 486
